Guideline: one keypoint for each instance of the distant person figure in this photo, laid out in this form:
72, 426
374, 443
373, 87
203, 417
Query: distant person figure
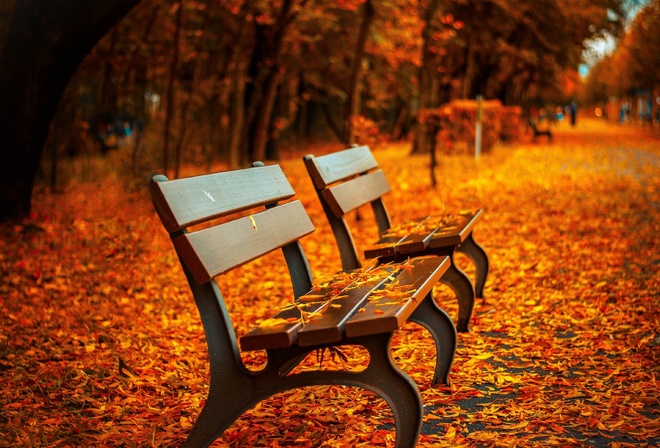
572, 108
623, 114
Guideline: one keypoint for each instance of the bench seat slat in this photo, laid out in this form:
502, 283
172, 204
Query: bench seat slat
272, 334
185, 202
210, 252
328, 327
383, 314
277, 335
443, 239
418, 242
384, 247
343, 198
355, 313
337, 166
413, 243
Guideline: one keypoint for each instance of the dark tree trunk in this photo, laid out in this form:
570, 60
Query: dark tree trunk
427, 77
186, 113
46, 41
262, 101
170, 98
134, 62
108, 100
353, 101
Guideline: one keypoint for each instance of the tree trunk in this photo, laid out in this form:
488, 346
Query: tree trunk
470, 69
264, 104
427, 78
187, 109
45, 43
237, 115
171, 94
229, 88
135, 54
108, 99
353, 101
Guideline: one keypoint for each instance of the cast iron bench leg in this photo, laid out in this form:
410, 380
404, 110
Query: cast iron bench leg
460, 283
381, 376
218, 414
233, 392
397, 388
477, 254
429, 315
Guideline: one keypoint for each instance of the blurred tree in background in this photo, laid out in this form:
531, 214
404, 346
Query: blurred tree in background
201, 81
628, 79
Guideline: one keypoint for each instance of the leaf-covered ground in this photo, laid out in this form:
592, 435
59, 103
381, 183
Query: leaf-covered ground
101, 344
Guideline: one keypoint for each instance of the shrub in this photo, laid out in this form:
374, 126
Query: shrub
510, 121
457, 121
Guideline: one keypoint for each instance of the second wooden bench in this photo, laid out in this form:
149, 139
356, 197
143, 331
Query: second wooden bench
348, 179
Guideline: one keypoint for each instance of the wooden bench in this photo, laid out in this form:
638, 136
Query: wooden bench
258, 216
348, 179
538, 132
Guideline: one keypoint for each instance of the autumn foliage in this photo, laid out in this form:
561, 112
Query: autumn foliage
101, 343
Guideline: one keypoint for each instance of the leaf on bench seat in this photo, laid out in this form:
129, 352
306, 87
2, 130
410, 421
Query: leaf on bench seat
446, 222
389, 309
275, 321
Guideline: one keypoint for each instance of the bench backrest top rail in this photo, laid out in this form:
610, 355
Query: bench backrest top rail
356, 192
340, 165
181, 203
212, 251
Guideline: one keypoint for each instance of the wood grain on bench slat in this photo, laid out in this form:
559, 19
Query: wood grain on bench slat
383, 314
328, 327
418, 242
325, 328
215, 250
385, 247
413, 243
273, 336
347, 196
184, 202
340, 165
449, 238
281, 335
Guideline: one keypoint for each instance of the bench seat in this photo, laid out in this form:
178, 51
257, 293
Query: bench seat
378, 301
349, 179
428, 233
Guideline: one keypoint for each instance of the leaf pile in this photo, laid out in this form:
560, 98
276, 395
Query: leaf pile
101, 344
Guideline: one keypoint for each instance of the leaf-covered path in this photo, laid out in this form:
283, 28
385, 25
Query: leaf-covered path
101, 345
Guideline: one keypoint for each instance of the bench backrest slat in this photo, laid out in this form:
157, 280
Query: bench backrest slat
347, 196
240, 238
210, 252
182, 203
345, 181
341, 165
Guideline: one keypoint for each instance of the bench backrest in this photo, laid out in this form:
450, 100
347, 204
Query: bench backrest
253, 222
344, 181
